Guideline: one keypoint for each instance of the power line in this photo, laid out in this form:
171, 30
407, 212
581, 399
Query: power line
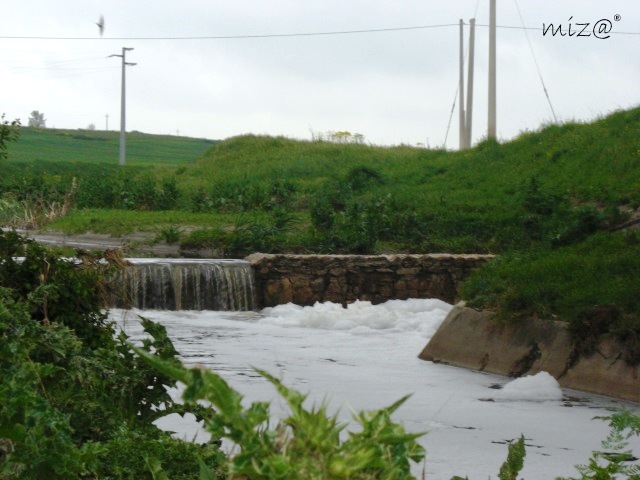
281, 35
544, 87
84, 72
235, 37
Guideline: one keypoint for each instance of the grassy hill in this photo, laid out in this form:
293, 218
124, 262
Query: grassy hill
571, 157
550, 202
542, 186
102, 147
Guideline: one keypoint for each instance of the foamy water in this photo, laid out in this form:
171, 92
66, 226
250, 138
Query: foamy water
365, 357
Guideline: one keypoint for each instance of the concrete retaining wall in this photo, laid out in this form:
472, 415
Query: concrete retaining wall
472, 339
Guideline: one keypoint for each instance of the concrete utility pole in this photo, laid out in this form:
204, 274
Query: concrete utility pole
461, 118
469, 120
492, 122
466, 116
123, 139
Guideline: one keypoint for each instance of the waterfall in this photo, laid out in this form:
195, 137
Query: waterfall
184, 284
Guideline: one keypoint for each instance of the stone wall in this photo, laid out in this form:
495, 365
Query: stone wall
473, 339
306, 279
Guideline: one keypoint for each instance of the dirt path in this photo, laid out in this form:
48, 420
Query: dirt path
133, 245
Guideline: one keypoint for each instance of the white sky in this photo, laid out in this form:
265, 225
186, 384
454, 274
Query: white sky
392, 87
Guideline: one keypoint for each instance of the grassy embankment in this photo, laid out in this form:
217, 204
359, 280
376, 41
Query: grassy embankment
546, 201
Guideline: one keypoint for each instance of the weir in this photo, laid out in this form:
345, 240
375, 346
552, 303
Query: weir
184, 284
263, 280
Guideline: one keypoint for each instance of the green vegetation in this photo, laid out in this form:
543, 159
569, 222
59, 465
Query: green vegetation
593, 285
79, 400
49, 171
307, 444
8, 133
76, 401
614, 459
97, 147
551, 203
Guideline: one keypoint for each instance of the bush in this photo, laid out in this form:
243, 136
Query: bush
347, 221
360, 178
579, 225
9, 132
72, 390
130, 189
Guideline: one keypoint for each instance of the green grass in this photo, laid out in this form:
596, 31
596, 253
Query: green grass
120, 222
543, 201
101, 147
426, 200
569, 158
594, 285
558, 282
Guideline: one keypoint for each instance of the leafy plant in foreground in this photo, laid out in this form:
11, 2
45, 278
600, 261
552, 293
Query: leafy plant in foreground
310, 444
615, 459
76, 401
512, 465
307, 444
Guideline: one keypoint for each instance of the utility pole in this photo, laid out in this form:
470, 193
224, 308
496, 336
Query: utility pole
461, 121
469, 120
466, 117
492, 122
123, 139
107, 125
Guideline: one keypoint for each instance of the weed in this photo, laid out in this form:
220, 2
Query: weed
307, 444
170, 234
614, 460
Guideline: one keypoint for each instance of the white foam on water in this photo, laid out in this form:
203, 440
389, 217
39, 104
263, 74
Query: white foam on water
362, 317
539, 387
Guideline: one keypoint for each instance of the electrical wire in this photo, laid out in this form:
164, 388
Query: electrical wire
61, 68
84, 72
279, 35
544, 87
239, 37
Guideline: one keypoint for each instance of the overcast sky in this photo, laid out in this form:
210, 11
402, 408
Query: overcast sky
393, 86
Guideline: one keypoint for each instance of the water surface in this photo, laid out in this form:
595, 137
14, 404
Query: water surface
365, 357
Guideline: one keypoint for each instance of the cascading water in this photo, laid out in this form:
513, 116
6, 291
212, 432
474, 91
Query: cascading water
184, 284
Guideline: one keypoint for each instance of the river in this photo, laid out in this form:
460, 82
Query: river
365, 357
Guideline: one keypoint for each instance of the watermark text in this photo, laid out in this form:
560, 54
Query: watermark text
599, 29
